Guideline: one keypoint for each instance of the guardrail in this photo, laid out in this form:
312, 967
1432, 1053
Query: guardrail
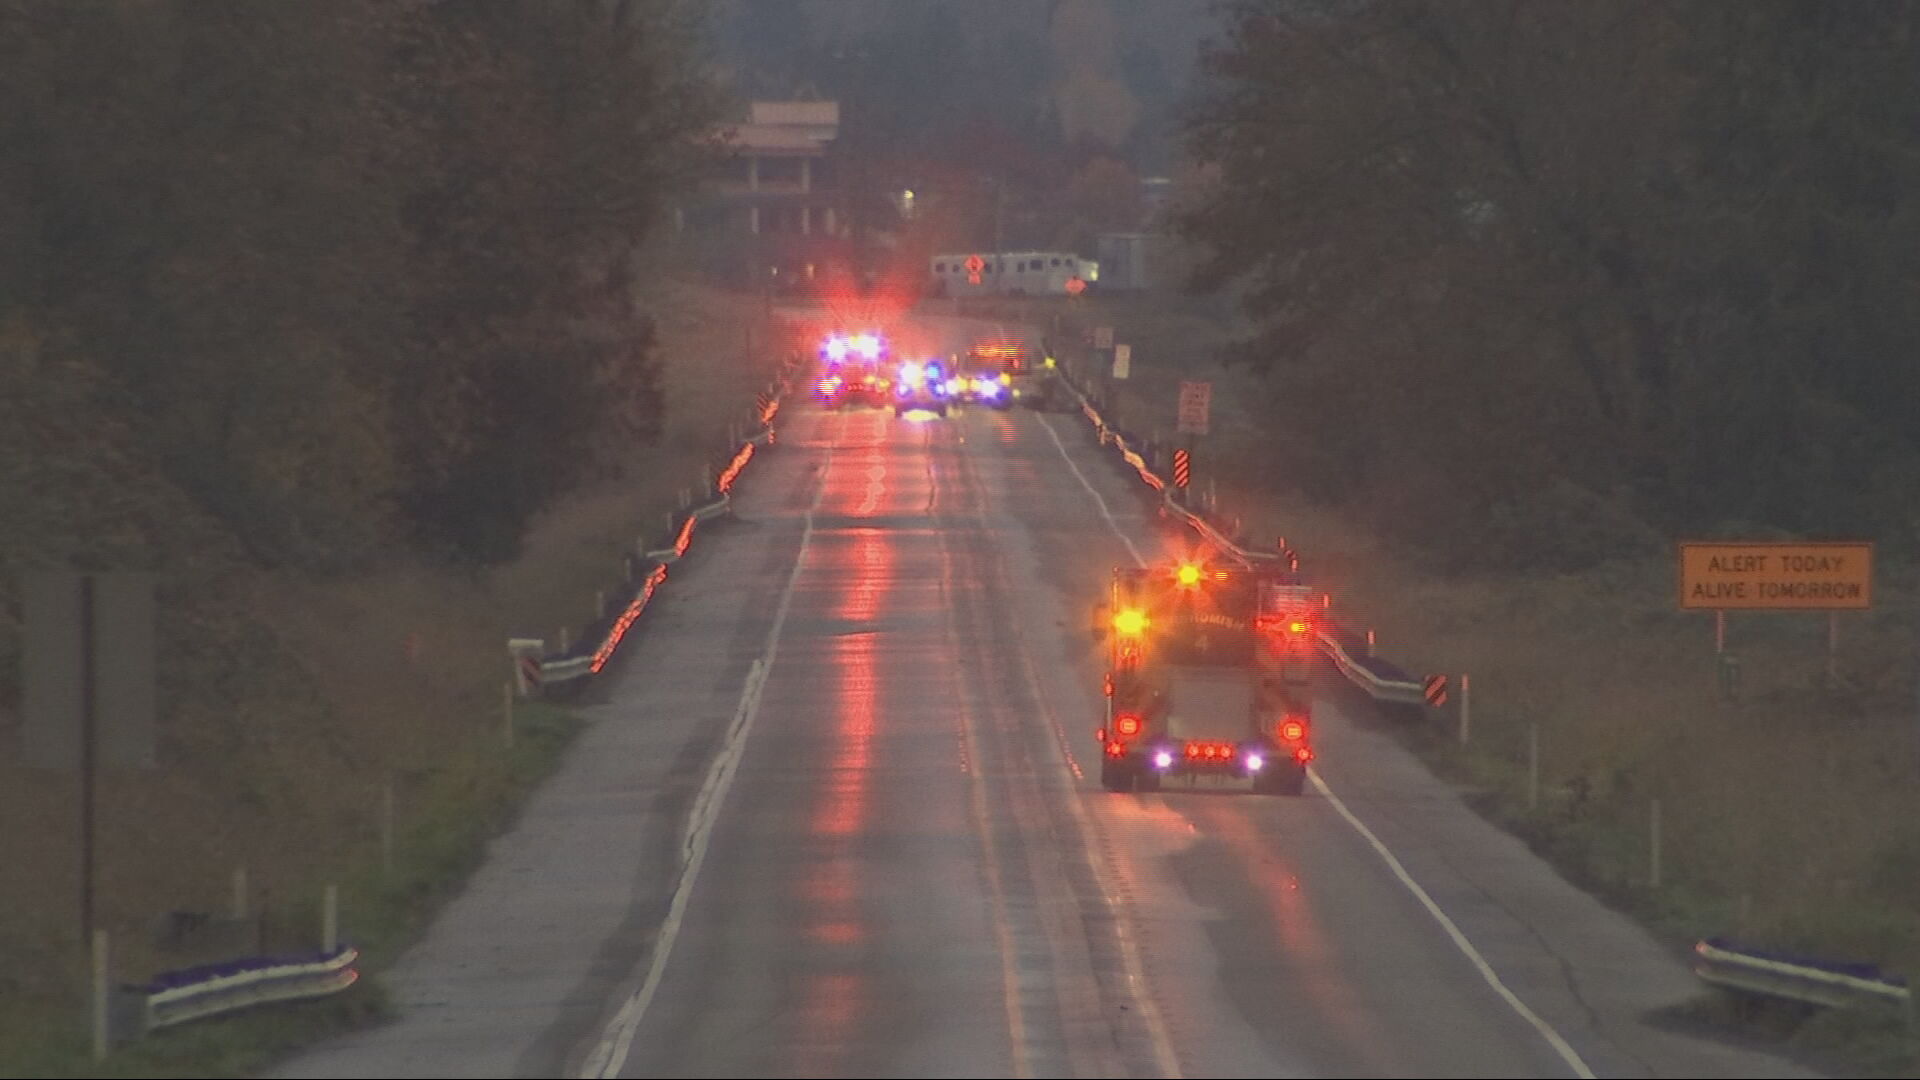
1380, 679
565, 672
1815, 982
1715, 961
195, 993
179, 997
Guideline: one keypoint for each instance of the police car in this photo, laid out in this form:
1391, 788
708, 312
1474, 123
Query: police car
924, 385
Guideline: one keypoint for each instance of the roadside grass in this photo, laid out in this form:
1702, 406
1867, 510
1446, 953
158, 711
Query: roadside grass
337, 693
471, 798
1790, 812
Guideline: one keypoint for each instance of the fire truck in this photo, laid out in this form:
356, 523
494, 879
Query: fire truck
1209, 675
1029, 371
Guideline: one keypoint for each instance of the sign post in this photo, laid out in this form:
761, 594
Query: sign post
1727, 576
89, 694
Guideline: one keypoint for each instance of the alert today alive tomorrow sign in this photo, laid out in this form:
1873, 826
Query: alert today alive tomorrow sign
1776, 577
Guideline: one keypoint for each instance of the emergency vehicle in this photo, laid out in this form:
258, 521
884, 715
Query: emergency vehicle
982, 386
839, 347
923, 385
851, 369
1208, 674
1029, 372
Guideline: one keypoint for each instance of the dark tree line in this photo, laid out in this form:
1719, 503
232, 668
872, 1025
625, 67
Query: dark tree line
1560, 281
349, 275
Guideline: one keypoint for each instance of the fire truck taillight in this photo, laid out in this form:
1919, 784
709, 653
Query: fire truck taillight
1127, 724
1292, 730
1132, 622
1188, 575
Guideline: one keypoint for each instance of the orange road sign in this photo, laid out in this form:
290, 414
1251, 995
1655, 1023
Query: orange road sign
1723, 576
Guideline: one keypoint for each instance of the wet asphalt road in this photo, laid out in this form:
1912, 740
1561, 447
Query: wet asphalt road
837, 816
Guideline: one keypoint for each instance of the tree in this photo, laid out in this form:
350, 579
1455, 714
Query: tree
349, 273
1498, 252
551, 133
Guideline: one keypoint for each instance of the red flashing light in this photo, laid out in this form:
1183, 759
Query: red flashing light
1293, 730
1127, 724
1303, 755
1116, 749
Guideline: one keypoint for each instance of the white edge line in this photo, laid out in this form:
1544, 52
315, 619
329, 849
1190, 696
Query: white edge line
610, 1053
1553, 1038
1546, 1030
1097, 500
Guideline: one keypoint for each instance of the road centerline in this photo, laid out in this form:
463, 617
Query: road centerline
610, 1053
